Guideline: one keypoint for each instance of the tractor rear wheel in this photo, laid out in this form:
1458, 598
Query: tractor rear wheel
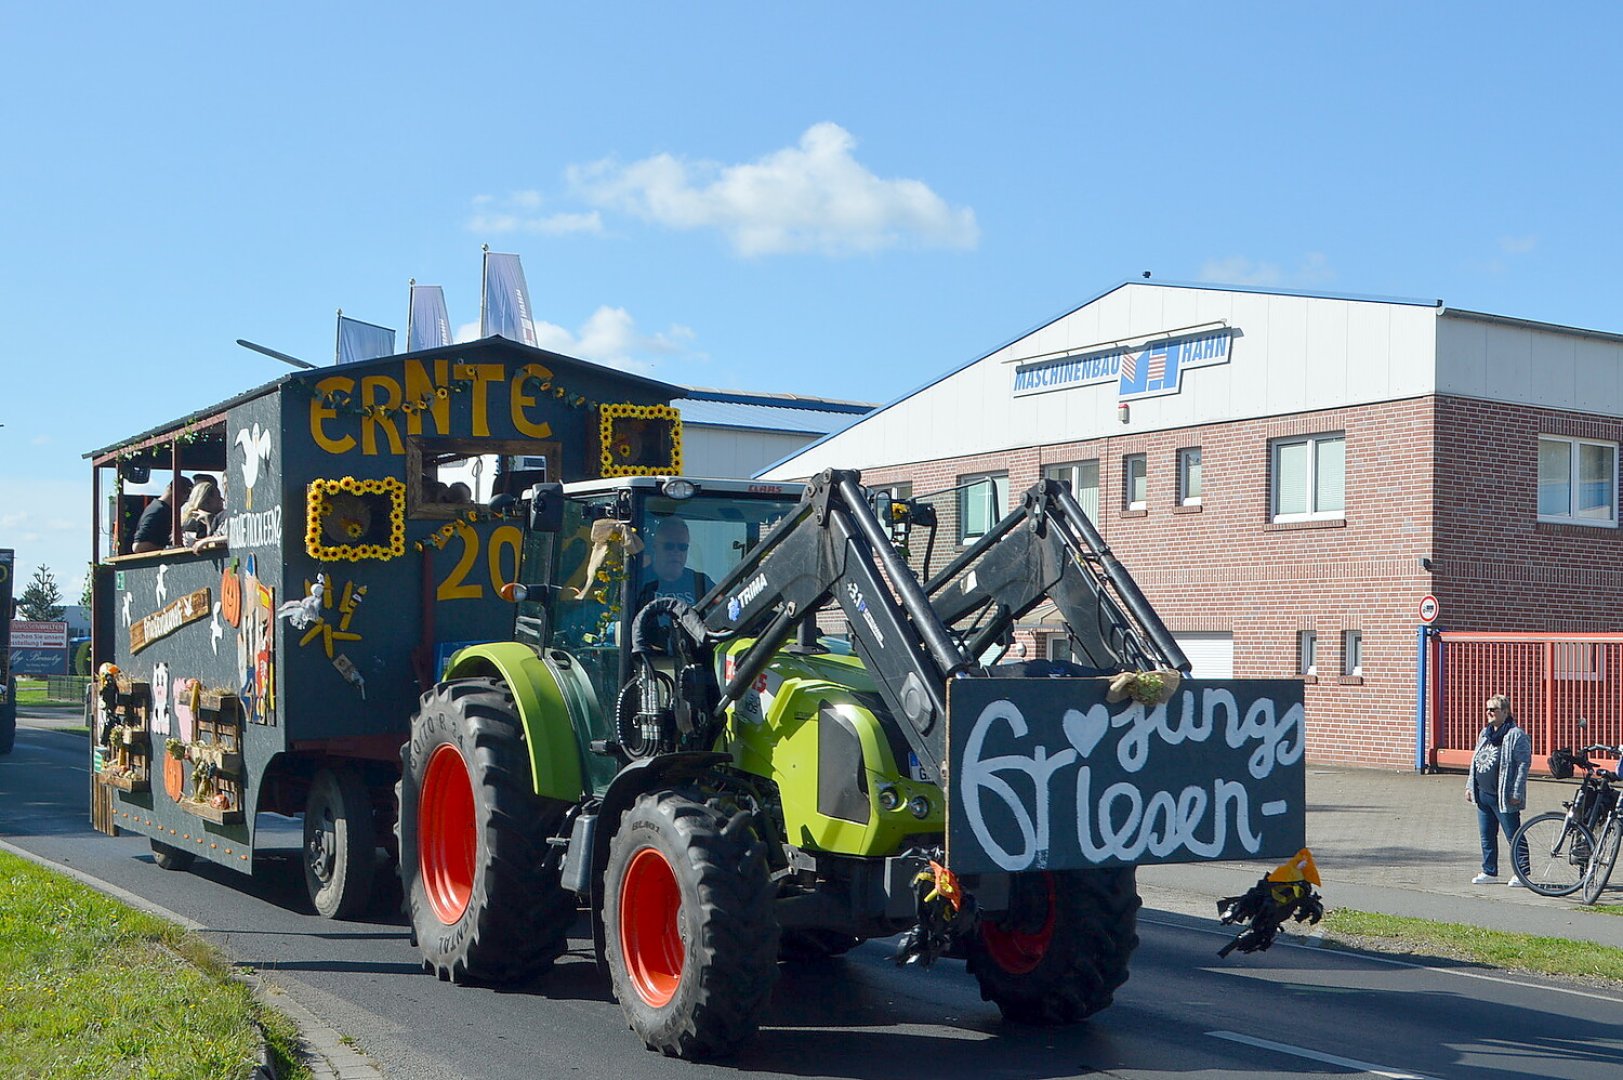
691, 937
340, 845
483, 902
1061, 950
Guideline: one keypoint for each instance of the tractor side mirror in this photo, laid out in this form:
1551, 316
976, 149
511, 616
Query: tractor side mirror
547, 508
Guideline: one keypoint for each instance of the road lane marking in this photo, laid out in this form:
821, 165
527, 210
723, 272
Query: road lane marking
1318, 946
1314, 1055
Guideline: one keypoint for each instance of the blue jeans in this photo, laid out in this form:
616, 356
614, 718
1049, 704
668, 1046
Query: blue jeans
1490, 822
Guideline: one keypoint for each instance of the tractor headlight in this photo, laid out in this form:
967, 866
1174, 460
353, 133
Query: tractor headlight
889, 797
919, 806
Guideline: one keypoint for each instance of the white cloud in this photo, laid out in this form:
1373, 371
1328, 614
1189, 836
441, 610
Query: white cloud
520, 212
1517, 245
812, 197
610, 336
1312, 270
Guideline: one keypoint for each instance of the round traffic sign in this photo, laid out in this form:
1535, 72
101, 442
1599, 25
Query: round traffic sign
1429, 609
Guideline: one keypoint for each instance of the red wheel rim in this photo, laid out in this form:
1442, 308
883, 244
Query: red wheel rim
446, 839
650, 935
1016, 951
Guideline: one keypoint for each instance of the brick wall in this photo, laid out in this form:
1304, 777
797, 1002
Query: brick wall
1225, 567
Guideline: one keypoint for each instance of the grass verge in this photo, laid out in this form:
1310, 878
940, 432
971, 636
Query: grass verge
37, 692
1514, 952
90, 987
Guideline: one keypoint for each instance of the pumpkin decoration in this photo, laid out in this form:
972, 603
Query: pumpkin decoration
231, 597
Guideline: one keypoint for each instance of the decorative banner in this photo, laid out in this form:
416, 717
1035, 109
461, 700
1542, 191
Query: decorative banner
1047, 774
428, 323
167, 620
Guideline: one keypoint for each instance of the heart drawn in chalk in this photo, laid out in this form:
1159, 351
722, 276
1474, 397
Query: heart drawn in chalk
1085, 730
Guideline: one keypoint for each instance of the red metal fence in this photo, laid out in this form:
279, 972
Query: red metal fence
1552, 681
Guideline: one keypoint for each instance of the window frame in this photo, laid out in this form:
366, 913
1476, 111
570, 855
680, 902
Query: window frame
999, 483
1307, 648
1574, 483
1352, 652
1128, 503
1186, 454
1069, 473
1313, 443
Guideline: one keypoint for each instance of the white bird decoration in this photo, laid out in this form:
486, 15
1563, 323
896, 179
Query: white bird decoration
301, 613
127, 598
216, 631
256, 446
162, 589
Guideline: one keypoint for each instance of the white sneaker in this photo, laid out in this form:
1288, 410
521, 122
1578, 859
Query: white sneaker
1484, 879
1516, 883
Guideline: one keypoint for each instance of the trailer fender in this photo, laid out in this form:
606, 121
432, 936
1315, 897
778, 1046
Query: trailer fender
554, 752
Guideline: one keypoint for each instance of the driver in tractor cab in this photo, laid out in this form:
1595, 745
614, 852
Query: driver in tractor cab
667, 558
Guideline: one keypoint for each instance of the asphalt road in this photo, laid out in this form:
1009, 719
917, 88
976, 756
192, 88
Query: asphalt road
1293, 1011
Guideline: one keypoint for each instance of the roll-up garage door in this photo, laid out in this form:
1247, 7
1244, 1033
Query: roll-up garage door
1212, 655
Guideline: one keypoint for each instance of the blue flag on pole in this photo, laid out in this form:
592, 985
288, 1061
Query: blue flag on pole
505, 309
359, 340
428, 321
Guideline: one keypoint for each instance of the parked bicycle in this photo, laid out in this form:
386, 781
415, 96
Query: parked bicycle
1557, 853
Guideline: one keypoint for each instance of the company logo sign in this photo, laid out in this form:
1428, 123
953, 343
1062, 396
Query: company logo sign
1153, 369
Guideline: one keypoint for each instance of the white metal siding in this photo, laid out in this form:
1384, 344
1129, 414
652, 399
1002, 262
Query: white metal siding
1289, 354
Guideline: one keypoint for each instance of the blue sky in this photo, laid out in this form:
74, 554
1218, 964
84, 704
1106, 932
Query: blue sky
836, 199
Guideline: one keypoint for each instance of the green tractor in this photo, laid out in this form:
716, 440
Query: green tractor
670, 742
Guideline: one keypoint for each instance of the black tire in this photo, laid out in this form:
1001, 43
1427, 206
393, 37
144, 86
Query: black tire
1600, 870
1556, 853
692, 940
172, 858
485, 908
340, 844
1062, 949
810, 945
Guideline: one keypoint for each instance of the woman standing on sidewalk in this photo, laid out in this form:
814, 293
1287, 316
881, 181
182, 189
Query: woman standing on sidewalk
1497, 784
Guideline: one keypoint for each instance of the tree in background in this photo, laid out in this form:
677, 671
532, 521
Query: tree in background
90, 580
41, 601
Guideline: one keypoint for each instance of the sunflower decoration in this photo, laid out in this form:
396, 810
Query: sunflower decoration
350, 519
640, 440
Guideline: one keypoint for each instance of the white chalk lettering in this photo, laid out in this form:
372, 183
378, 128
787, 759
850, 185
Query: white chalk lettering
1127, 819
263, 529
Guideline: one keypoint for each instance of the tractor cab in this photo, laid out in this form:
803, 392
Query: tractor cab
617, 545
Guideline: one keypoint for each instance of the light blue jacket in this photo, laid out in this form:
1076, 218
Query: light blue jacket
1515, 761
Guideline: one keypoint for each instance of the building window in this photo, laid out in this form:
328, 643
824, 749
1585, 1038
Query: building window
1577, 481
1082, 477
981, 501
1189, 476
1352, 652
1307, 643
1058, 647
1135, 481
1309, 477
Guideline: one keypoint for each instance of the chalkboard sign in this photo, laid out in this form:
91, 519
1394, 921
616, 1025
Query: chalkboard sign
1045, 774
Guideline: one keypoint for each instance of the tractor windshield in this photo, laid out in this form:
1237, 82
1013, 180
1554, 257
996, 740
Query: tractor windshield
690, 544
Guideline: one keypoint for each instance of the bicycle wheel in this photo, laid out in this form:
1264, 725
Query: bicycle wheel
1600, 871
1551, 854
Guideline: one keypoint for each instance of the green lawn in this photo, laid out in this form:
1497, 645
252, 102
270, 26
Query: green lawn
92, 988
31, 691
1512, 952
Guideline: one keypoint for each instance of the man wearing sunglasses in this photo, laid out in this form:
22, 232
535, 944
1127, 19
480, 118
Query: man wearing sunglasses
668, 559
1497, 784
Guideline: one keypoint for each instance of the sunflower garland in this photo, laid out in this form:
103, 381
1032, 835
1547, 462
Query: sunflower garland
617, 440
339, 508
